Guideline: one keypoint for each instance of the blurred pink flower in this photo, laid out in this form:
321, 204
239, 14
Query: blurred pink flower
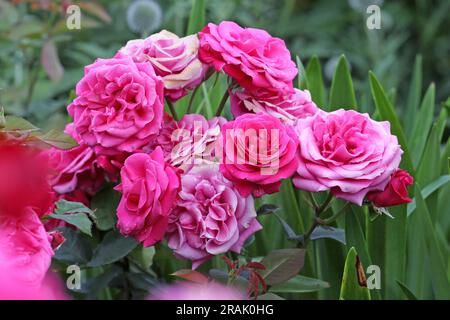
194, 291
25, 249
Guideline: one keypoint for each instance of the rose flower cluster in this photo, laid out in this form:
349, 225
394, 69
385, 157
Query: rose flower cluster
192, 181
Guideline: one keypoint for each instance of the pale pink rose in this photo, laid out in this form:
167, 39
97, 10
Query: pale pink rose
195, 291
174, 59
25, 249
258, 152
188, 142
195, 141
288, 108
164, 138
347, 152
252, 57
149, 188
211, 216
119, 106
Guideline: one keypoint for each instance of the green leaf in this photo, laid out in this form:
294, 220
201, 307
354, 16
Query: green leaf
342, 94
387, 112
270, 296
282, 264
19, 124
355, 236
315, 81
300, 284
302, 80
406, 291
79, 220
58, 139
100, 282
422, 125
267, 208
329, 233
350, 287
428, 190
64, 206
439, 279
105, 204
113, 247
197, 17
75, 249
415, 91
143, 256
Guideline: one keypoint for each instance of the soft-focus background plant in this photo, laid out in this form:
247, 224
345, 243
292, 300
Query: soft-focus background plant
41, 61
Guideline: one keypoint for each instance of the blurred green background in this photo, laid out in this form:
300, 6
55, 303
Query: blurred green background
41, 60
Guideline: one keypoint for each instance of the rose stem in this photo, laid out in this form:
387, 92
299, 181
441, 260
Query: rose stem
172, 110
222, 102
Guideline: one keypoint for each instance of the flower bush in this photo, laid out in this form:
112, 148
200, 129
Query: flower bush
156, 194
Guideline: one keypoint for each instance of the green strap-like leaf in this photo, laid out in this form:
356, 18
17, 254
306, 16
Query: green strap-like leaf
197, 17
315, 82
350, 287
342, 94
415, 91
302, 80
422, 125
387, 112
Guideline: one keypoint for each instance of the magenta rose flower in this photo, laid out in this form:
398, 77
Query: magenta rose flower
75, 169
288, 108
25, 249
252, 57
119, 105
174, 59
396, 191
211, 216
258, 152
347, 152
149, 190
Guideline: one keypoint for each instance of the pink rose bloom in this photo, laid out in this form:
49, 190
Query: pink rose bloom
258, 152
164, 138
288, 108
195, 140
211, 216
252, 57
119, 105
174, 59
149, 191
74, 169
347, 152
195, 291
25, 249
